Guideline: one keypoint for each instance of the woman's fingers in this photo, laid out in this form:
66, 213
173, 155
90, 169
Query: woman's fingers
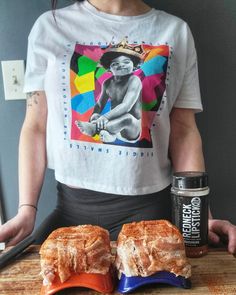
223, 229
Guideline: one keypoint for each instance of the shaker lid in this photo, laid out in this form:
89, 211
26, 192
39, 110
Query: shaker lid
190, 179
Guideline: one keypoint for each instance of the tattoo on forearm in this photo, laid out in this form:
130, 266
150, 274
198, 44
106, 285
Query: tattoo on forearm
32, 98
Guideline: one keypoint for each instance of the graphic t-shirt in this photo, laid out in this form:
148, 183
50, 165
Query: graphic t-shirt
111, 82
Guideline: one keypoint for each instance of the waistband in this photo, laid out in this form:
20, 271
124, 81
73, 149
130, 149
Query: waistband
83, 201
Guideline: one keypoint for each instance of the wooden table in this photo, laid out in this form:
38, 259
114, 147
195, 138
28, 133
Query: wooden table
214, 273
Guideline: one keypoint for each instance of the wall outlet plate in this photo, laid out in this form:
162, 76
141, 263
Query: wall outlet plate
13, 72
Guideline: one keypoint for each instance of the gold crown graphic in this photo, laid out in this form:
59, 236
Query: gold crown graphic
124, 47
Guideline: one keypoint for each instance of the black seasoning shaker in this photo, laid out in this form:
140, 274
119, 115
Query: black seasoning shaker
190, 194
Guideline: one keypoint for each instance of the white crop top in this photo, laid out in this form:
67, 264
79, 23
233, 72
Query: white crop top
111, 82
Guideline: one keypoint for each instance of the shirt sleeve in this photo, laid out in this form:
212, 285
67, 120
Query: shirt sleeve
189, 95
36, 63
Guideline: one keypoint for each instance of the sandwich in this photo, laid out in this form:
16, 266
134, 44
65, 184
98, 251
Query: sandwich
147, 247
75, 250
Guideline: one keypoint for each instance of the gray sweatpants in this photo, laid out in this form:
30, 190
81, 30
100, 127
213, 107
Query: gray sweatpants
110, 211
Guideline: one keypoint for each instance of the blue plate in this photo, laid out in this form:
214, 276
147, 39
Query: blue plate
129, 284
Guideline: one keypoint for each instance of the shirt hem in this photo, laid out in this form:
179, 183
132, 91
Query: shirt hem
32, 89
188, 105
117, 190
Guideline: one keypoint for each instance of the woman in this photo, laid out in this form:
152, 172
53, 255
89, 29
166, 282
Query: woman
107, 183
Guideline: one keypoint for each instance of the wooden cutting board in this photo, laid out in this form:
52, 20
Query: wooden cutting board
214, 274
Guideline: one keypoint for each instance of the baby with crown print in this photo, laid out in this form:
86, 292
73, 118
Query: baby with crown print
124, 90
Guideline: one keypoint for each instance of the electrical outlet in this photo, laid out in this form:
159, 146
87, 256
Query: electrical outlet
13, 72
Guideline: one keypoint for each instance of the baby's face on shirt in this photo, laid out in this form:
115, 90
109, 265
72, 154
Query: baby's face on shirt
121, 66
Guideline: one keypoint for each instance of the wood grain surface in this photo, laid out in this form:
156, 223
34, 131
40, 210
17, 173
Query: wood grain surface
214, 274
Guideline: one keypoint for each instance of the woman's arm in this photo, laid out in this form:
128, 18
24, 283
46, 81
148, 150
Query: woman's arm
186, 155
32, 149
32, 165
185, 142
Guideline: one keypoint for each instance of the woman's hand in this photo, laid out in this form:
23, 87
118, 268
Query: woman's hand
222, 230
17, 228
